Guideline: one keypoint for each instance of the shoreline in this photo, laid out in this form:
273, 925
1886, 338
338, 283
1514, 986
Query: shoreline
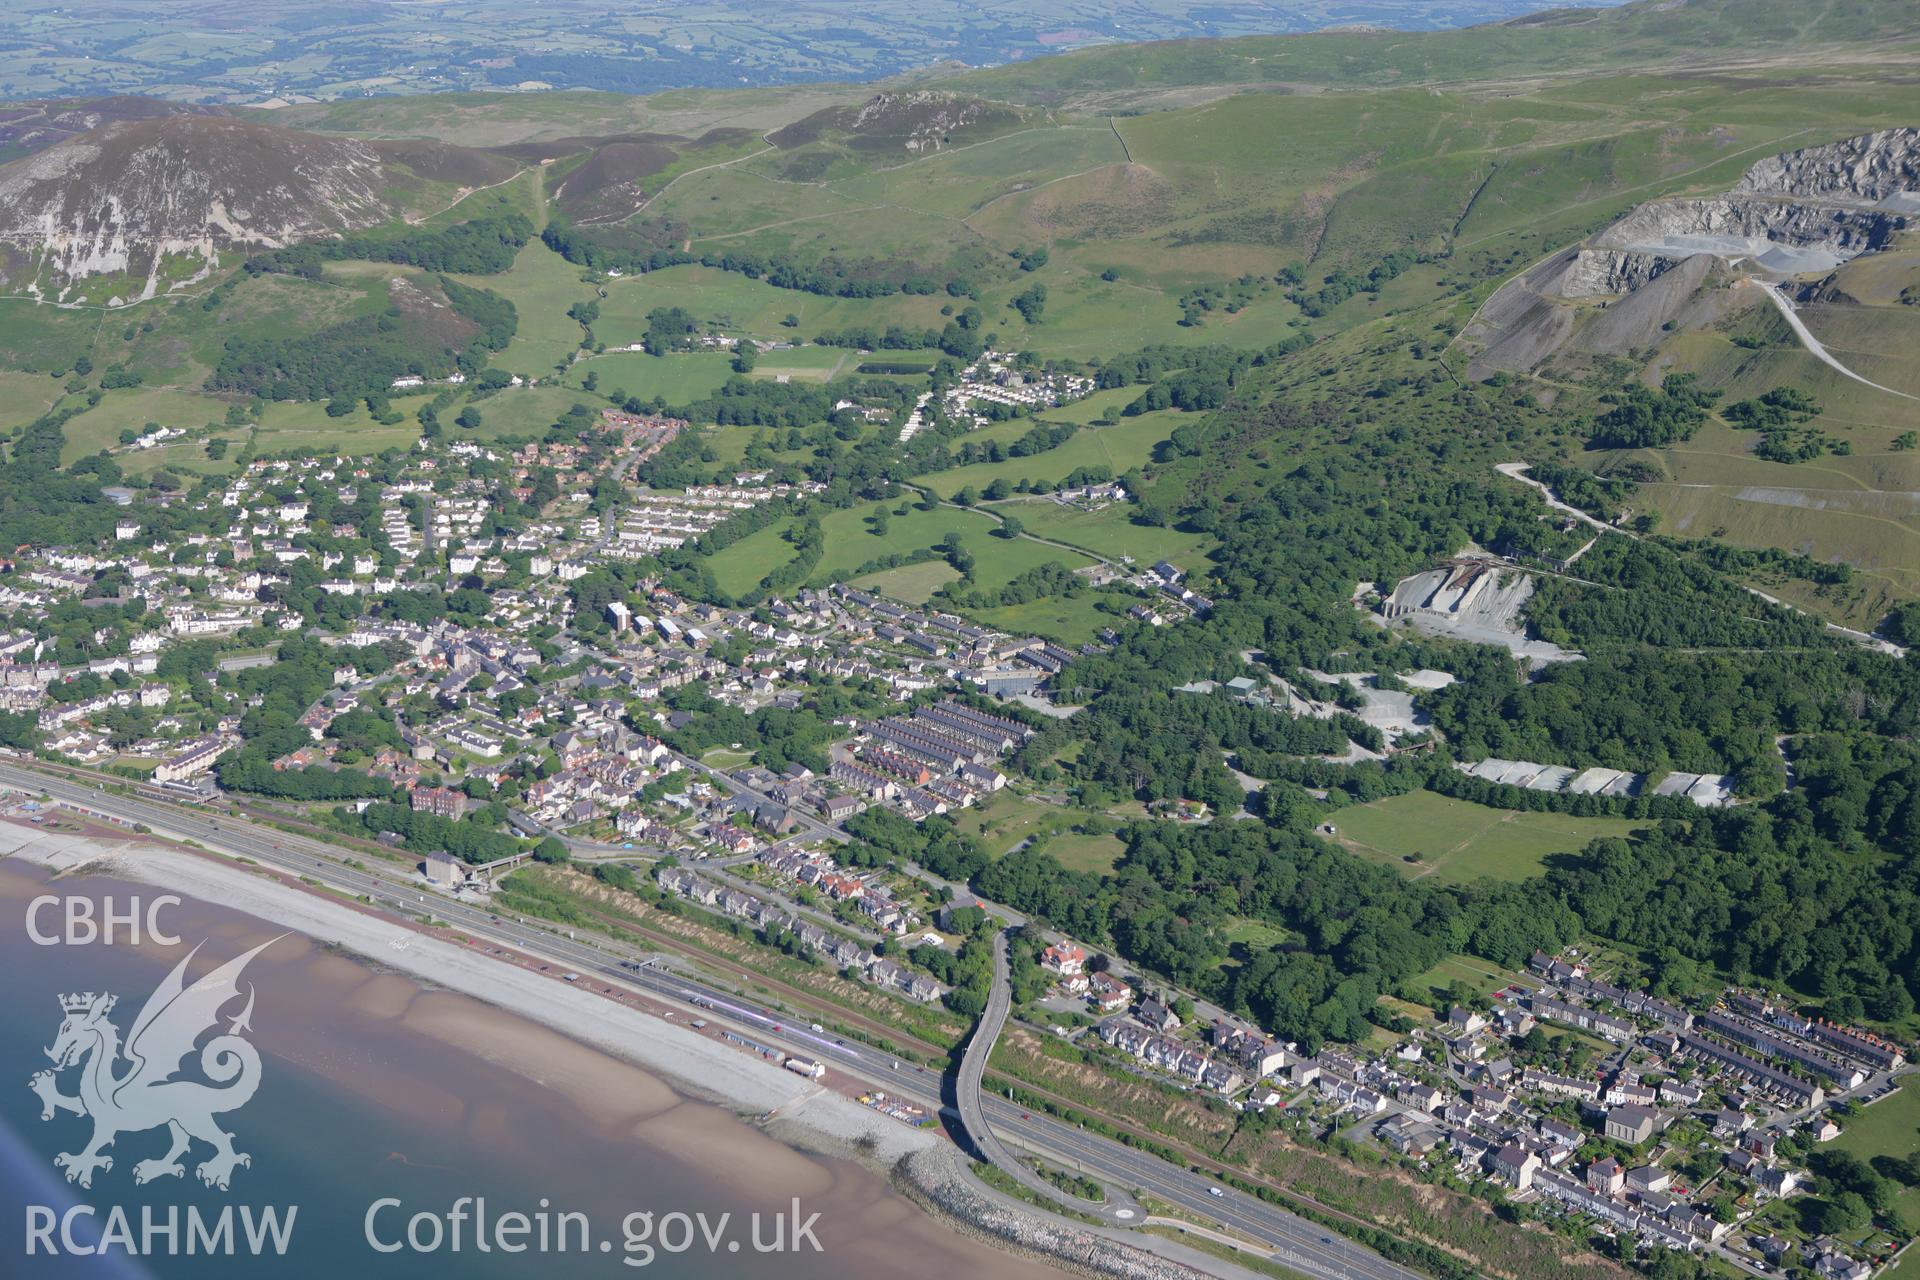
935, 1180
798, 1113
681, 1058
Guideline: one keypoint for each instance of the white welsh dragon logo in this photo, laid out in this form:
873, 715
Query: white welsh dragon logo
146, 1095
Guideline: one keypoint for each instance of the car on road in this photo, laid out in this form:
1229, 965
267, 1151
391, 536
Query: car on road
1215, 1191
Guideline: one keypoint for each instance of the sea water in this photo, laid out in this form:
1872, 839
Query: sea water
364, 1118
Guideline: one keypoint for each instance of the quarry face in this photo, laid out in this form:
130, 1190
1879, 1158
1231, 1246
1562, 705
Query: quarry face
1799, 213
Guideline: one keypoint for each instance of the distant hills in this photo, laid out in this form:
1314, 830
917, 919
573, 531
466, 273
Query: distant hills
27, 127
151, 199
235, 52
1645, 33
1182, 148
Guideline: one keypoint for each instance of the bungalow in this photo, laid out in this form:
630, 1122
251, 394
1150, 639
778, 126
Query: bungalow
1408, 1136
1648, 1179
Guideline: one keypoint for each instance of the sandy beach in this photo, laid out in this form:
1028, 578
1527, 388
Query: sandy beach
598, 1066
566, 1018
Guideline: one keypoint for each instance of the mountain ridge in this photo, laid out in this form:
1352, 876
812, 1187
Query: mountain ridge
155, 200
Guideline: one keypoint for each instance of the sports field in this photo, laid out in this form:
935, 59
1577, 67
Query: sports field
911, 583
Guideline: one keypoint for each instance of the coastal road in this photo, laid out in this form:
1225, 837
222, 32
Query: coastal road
1292, 1240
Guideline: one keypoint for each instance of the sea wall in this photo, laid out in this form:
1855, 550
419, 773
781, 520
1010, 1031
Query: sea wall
936, 1179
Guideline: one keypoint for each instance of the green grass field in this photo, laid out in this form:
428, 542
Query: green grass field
1070, 621
1473, 971
1006, 819
851, 544
1890, 1127
1079, 851
42, 339
1458, 841
1109, 532
912, 584
739, 568
740, 305
24, 397
541, 285
1119, 448
807, 364
515, 412
183, 456
679, 378
99, 427
1857, 508
1255, 935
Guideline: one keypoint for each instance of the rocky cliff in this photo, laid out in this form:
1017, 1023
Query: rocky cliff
1870, 169
1666, 264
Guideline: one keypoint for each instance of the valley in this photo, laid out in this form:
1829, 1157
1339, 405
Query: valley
1332, 611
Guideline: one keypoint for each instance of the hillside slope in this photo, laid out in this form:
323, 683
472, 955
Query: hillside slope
146, 204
